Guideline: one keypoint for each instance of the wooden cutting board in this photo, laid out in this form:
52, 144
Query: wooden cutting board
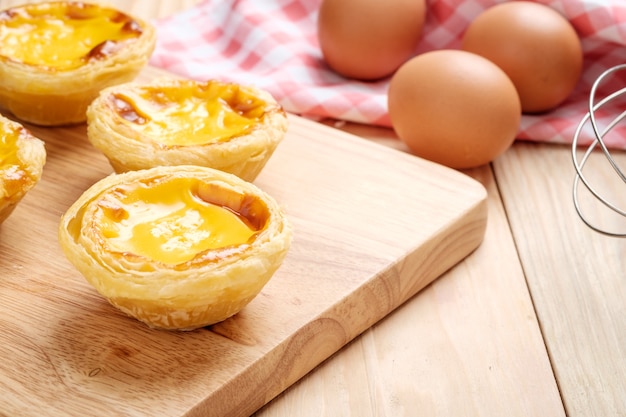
372, 227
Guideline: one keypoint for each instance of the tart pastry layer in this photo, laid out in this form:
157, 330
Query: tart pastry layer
176, 247
55, 57
22, 158
225, 126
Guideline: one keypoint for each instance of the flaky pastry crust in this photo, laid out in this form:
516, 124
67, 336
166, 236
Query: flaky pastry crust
170, 122
211, 285
22, 158
43, 94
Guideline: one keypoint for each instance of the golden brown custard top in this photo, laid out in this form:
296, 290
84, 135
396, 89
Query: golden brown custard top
14, 175
190, 113
63, 35
177, 220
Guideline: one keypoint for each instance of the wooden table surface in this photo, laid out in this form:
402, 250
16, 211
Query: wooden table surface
530, 324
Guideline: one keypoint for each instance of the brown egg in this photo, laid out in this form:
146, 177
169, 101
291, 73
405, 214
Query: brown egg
535, 46
369, 39
454, 108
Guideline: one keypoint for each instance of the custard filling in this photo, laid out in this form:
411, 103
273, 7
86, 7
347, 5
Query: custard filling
63, 35
176, 220
190, 113
13, 175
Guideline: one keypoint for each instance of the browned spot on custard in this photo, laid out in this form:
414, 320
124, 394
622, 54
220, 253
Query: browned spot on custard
127, 111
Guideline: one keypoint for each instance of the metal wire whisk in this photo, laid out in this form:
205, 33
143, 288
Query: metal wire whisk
598, 141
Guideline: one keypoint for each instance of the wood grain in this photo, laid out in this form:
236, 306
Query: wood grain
576, 276
450, 350
373, 226
467, 345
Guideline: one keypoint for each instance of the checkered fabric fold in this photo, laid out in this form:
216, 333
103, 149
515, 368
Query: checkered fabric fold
273, 44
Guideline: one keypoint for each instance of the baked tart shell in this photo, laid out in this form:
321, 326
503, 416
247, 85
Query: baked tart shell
47, 96
131, 145
207, 288
22, 158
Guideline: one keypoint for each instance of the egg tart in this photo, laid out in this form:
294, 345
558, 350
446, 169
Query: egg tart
22, 158
56, 56
226, 126
176, 247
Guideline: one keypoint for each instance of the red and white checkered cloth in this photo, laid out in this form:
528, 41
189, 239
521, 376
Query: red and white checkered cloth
273, 44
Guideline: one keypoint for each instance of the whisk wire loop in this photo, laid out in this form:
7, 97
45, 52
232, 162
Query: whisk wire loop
598, 140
